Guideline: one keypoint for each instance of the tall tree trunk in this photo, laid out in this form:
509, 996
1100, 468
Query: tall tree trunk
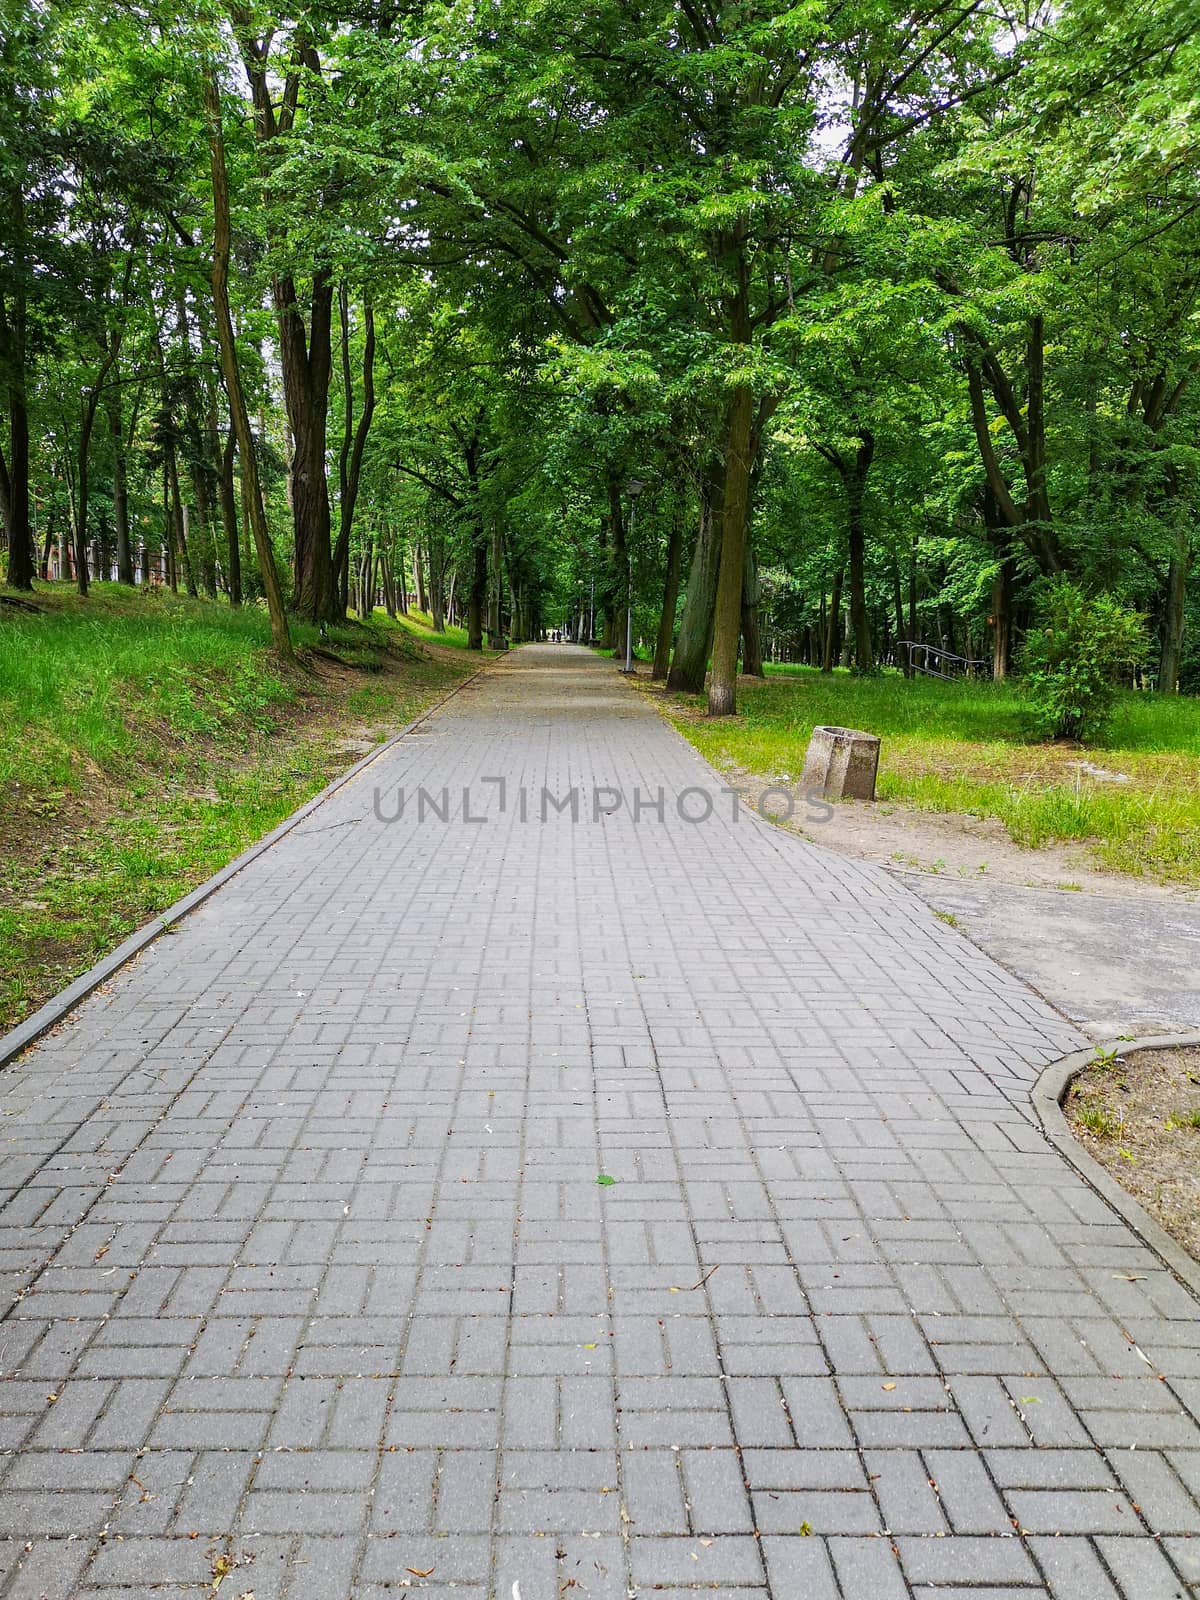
617, 586
902, 655
354, 438
47, 546
389, 582
14, 473
437, 580
82, 490
1000, 620
200, 449
179, 523
219, 455
366, 580
206, 553
477, 595
496, 607
306, 372
304, 357
229, 519
87, 422
244, 500
419, 577
912, 591
833, 623
517, 624
666, 620
168, 533
752, 664
1033, 523
280, 636
722, 689
856, 488
17, 530
1035, 464
1174, 612
607, 620
690, 660
116, 432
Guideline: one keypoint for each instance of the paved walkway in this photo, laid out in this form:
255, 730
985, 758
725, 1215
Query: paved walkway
316, 1294
1120, 966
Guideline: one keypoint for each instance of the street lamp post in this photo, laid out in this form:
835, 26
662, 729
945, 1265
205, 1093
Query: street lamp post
633, 488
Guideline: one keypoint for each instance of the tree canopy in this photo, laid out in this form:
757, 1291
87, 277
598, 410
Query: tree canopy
814, 332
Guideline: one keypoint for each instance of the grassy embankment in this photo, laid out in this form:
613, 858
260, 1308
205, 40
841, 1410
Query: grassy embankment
960, 747
146, 740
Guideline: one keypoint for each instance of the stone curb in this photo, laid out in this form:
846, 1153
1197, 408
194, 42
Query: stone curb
55, 1009
1048, 1094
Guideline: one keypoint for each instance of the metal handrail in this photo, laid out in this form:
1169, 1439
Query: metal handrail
920, 655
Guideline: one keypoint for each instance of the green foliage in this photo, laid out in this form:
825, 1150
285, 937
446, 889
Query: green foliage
1099, 1120
90, 687
1073, 658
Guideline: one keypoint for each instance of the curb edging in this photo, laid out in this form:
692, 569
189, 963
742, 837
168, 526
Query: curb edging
1047, 1096
18, 1039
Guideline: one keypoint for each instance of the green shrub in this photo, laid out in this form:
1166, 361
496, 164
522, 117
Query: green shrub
1072, 658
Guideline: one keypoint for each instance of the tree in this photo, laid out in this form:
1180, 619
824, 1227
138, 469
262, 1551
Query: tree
229, 367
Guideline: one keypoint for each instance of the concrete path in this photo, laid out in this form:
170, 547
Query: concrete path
315, 1293
1117, 966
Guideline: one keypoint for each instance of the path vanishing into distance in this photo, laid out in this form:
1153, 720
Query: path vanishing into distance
311, 1288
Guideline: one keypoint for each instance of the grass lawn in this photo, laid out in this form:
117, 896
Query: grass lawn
146, 740
959, 747
420, 625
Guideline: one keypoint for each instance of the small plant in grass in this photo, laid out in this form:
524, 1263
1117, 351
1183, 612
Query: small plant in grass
1072, 659
1185, 1119
1104, 1059
1098, 1119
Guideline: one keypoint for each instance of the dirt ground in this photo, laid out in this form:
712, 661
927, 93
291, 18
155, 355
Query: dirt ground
1140, 1118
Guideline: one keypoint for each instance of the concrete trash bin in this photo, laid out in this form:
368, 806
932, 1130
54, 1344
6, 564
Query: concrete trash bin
841, 763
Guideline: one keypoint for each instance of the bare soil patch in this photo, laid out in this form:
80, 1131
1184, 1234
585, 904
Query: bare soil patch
1139, 1116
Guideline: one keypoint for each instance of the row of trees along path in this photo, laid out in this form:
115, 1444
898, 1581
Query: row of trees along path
793, 331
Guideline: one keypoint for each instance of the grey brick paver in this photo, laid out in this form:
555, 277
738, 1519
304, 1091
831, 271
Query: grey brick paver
305, 1261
